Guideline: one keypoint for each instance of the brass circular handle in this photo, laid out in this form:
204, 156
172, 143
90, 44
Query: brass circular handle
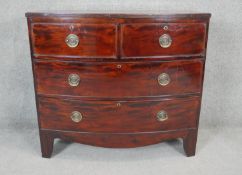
165, 41
72, 40
164, 79
76, 116
162, 116
73, 80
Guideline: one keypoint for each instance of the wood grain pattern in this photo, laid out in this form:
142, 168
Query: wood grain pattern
132, 79
117, 140
99, 36
94, 40
118, 59
142, 40
46, 143
189, 142
130, 116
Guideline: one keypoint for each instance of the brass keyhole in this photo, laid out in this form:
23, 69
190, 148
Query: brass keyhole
118, 104
119, 66
165, 27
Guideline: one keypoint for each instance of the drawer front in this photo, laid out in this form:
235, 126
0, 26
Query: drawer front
119, 79
139, 40
114, 116
87, 40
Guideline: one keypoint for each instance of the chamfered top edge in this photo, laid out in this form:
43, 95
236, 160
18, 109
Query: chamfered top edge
117, 15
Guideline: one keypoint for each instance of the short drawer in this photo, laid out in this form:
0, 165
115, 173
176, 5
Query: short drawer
119, 79
74, 40
118, 116
162, 39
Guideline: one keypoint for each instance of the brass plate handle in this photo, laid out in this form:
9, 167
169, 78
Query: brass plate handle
76, 116
73, 80
162, 116
165, 41
164, 79
72, 40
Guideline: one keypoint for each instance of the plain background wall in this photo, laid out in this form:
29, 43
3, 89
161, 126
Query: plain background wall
222, 100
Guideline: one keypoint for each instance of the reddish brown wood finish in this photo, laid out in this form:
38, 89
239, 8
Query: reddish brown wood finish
106, 41
189, 142
119, 140
106, 36
46, 143
127, 116
131, 80
67, 17
142, 40
94, 40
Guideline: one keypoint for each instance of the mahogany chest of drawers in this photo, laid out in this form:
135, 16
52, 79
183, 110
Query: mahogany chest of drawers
118, 80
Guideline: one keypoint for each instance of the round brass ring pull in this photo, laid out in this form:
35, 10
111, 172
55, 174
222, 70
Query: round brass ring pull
165, 41
76, 116
164, 79
73, 80
162, 116
72, 40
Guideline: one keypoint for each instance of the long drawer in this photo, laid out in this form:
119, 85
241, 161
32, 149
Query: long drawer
118, 116
119, 79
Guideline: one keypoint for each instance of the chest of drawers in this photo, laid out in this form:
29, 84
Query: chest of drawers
118, 80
